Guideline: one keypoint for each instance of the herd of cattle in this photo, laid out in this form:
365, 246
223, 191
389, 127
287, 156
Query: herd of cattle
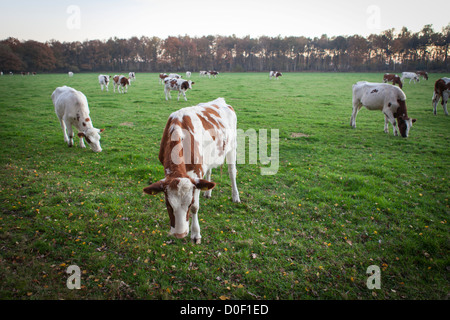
199, 138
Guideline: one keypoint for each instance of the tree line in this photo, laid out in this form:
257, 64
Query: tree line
387, 51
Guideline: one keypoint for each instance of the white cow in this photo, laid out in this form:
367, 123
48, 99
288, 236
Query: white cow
180, 85
104, 81
70, 73
389, 99
188, 74
411, 76
174, 75
132, 76
71, 107
195, 141
441, 91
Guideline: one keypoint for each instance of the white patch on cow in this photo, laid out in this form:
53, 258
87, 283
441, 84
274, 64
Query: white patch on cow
180, 200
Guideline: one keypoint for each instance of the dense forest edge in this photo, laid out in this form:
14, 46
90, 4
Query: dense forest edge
388, 51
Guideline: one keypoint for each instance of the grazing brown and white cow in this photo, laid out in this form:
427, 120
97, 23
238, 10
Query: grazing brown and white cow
71, 107
275, 74
213, 73
121, 82
203, 73
177, 84
395, 79
195, 141
422, 74
441, 91
162, 76
104, 81
389, 99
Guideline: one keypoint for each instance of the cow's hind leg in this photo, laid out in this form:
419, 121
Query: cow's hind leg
356, 107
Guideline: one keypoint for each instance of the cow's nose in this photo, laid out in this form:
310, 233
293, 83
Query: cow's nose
180, 235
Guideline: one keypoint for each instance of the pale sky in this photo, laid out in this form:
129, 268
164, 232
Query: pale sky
79, 20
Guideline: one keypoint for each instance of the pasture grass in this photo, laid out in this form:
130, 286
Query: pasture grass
342, 199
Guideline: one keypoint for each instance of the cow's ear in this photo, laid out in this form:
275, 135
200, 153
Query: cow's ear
154, 188
81, 134
414, 120
204, 184
101, 130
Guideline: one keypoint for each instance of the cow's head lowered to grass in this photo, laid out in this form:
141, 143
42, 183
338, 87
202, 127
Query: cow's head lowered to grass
179, 194
195, 140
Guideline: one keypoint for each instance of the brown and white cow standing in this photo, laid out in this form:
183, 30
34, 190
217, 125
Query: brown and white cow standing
162, 76
179, 85
441, 91
121, 82
395, 79
275, 74
422, 74
195, 140
390, 99
213, 73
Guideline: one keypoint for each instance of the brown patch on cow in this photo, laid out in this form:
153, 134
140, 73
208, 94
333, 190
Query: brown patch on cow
78, 117
188, 123
124, 81
87, 119
84, 124
184, 85
439, 87
299, 135
116, 79
231, 108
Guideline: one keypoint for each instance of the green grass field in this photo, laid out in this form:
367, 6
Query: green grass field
342, 200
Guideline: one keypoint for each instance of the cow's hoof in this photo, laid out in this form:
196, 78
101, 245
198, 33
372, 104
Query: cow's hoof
197, 241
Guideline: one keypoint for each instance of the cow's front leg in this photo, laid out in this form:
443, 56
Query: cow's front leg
184, 95
63, 127
195, 226
444, 102
386, 124
82, 145
70, 135
390, 117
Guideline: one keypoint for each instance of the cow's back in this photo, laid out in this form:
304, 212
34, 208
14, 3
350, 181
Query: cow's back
209, 127
68, 101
